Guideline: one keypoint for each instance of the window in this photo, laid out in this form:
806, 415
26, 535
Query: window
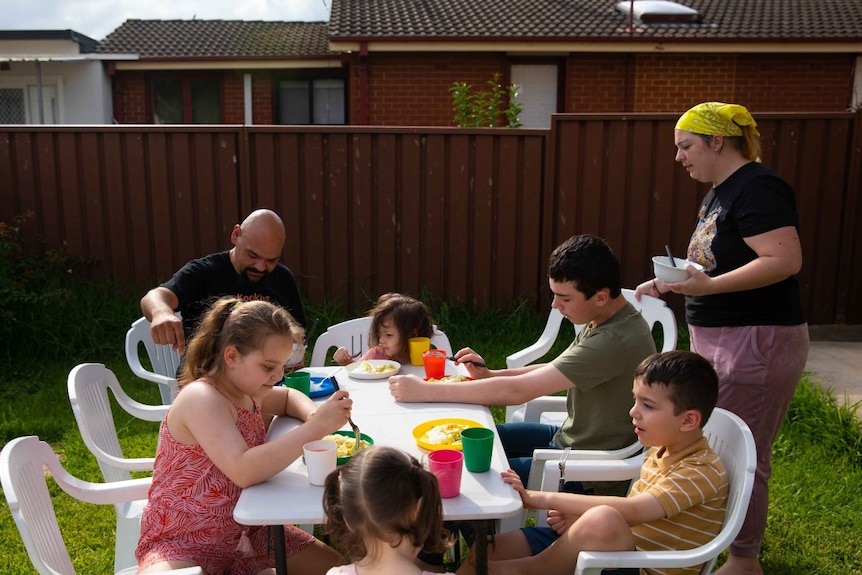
186, 101
311, 101
19, 102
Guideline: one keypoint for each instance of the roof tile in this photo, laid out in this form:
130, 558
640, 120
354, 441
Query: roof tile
217, 38
591, 19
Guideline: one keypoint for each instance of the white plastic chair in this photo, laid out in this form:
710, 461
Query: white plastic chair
353, 335
731, 438
23, 477
552, 409
88, 386
164, 359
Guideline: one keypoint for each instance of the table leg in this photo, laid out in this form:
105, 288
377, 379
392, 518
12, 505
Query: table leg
484, 533
277, 534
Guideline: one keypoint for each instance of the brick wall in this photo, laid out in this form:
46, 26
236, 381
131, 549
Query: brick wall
596, 83
130, 98
762, 82
233, 108
413, 89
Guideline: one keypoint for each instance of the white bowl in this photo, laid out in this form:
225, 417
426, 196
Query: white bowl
667, 273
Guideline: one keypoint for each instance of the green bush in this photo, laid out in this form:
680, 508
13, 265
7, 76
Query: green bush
486, 108
47, 304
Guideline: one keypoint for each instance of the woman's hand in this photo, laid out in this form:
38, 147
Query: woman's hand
698, 283
649, 287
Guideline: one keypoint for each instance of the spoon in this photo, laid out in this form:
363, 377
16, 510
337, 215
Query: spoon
670, 255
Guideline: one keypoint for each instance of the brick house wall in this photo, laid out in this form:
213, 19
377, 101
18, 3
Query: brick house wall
133, 105
413, 89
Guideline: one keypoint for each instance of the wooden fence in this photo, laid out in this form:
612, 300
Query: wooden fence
469, 215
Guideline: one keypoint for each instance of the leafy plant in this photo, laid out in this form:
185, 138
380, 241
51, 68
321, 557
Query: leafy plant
35, 290
486, 108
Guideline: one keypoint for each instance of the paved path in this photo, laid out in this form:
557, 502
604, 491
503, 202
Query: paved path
838, 365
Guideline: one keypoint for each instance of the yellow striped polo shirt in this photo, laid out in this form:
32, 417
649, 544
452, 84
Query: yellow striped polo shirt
691, 487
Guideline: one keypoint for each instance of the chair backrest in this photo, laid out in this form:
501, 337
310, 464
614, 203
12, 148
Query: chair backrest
731, 438
353, 335
88, 386
26, 489
24, 480
164, 359
655, 310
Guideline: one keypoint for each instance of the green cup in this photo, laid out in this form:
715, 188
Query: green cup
477, 443
299, 380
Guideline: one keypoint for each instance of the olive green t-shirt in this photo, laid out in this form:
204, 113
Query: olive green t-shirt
600, 363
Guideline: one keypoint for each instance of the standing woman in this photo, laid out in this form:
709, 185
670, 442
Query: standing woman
744, 311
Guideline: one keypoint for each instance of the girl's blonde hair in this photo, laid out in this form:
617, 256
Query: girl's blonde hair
376, 495
410, 316
232, 322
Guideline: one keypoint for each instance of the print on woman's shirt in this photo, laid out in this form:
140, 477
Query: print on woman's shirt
700, 245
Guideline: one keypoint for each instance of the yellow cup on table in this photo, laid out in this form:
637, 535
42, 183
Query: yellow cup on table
418, 346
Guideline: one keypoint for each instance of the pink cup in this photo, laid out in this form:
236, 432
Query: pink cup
435, 363
446, 465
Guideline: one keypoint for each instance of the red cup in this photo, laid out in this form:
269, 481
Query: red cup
435, 363
446, 465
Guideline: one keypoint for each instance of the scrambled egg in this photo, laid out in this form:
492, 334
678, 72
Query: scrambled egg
345, 444
368, 367
448, 378
444, 434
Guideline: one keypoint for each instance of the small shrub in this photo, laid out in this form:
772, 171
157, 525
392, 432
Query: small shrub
487, 108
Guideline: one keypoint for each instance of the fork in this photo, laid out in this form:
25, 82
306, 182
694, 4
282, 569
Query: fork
357, 437
562, 465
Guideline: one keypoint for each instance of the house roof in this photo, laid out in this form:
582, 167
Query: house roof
593, 20
225, 39
86, 44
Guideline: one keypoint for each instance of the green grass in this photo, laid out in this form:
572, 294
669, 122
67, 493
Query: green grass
815, 523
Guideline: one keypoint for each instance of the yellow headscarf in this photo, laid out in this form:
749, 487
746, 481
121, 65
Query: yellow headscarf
711, 118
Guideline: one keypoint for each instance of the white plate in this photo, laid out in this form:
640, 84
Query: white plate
352, 369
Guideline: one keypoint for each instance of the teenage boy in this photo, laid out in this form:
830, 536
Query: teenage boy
595, 371
678, 502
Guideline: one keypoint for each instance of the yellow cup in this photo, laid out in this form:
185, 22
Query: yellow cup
418, 346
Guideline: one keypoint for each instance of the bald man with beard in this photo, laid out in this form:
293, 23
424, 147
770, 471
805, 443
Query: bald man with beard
249, 271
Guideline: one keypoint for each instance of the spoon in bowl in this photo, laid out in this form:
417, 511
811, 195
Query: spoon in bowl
670, 255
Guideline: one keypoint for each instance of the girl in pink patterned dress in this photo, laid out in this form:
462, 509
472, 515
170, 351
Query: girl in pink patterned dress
384, 507
211, 445
395, 318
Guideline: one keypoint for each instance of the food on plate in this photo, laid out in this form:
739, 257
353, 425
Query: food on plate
368, 367
447, 378
345, 444
444, 434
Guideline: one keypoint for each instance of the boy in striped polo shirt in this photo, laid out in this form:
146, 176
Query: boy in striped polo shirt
678, 502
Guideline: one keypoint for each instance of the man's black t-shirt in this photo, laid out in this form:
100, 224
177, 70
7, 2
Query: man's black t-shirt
201, 282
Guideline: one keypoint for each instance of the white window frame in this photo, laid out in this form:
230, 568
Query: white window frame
31, 82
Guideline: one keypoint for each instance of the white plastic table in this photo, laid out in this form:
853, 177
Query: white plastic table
288, 497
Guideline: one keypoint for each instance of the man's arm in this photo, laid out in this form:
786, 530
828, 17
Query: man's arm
165, 327
502, 390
